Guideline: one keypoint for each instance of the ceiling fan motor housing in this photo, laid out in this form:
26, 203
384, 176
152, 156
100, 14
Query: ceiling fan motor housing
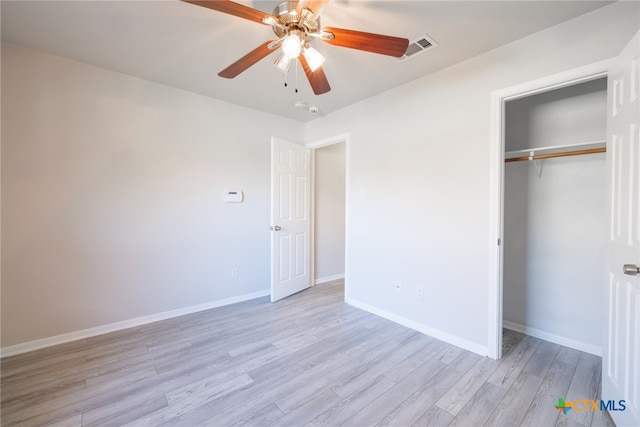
291, 20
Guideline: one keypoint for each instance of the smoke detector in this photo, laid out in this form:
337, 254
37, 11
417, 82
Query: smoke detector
314, 110
300, 105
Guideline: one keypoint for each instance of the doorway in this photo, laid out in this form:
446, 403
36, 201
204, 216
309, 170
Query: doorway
554, 216
295, 255
497, 177
329, 159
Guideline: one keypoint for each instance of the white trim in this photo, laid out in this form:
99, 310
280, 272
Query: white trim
343, 137
496, 191
312, 215
326, 279
427, 330
556, 81
496, 181
558, 339
347, 197
104, 329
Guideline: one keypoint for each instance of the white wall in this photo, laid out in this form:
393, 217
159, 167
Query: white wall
422, 153
555, 223
571, 115
111, 197
553, 276
330, 188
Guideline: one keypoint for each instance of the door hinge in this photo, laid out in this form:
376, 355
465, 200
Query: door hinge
498, 241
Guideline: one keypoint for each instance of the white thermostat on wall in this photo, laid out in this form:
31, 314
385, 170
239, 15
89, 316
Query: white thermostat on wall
233, 196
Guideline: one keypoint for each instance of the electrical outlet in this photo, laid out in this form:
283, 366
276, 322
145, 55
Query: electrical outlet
419, 292
235, 272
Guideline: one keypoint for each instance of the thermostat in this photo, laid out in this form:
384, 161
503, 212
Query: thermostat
233, 196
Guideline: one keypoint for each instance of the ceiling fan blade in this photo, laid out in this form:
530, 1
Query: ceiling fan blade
317, 78
232, 8
368, 42
246, 61
316, 6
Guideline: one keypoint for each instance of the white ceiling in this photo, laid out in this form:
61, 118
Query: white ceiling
185, 46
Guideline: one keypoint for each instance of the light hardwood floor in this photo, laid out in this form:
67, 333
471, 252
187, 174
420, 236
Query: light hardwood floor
307, 360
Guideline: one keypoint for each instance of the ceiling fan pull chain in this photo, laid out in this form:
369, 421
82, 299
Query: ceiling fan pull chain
296, 77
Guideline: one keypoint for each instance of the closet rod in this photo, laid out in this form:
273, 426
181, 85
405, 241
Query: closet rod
562, 154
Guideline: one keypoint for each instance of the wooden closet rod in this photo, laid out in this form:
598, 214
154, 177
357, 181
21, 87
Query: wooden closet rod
562, 154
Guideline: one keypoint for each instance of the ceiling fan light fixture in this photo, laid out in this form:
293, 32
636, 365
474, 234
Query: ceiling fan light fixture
283, 63
292, 45
306, 14
313, 57
326, 35
270, 20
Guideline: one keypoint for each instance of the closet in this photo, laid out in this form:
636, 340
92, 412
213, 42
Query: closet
555, 215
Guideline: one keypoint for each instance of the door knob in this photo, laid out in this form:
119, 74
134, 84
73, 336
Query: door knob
276, 228
631, 269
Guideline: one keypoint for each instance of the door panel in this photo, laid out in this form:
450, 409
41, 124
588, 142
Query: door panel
290, 218
621, 361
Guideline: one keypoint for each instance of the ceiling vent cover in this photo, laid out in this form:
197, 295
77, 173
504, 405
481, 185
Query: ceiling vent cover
421, 44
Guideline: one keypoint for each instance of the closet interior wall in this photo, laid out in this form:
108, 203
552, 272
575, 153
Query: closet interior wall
554, 218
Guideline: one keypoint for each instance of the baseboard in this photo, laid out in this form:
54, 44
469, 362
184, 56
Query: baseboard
326, 279
104, 329
427, 330
557, 339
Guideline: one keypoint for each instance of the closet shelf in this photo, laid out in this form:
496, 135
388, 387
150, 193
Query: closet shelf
555, 151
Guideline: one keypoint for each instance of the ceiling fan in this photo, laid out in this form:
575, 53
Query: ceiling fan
296, 23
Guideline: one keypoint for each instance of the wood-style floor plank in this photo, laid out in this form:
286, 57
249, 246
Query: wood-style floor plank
585, 382
310, 360
413, 407
457, 396
381, 407
480, 407
346, 408
434, 417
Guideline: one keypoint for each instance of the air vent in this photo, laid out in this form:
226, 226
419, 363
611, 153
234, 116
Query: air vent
422, 44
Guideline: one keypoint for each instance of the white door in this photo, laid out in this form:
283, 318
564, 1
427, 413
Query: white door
290, 218
621, 361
